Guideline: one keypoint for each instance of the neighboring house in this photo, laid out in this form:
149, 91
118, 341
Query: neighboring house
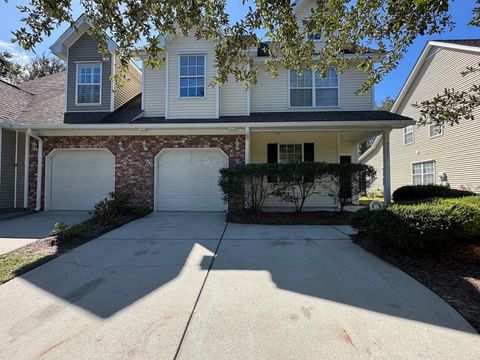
419, 155
164, 137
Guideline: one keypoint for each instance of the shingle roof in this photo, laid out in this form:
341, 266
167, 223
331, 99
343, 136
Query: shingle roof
467, 42
13, 101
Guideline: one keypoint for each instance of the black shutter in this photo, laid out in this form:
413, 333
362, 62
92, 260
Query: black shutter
308, 152
272, 153
272, 157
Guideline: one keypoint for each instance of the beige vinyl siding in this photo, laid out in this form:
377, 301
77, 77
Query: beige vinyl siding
271, 94
457, 151
130, 87
20, 169
154, 91
7, 175
205, 107
233, 98
375, 159
86, 49
325, 146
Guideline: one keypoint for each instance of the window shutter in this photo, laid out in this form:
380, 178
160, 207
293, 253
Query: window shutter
308, 152
272, 153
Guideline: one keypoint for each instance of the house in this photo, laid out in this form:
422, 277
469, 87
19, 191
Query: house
165, 134
420, 155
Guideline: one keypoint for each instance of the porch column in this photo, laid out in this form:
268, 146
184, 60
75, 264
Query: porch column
387, 188
247, 145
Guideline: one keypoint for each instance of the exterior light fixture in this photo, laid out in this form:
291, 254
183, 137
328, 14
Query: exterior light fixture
237, 144
120, 146
34, 146
145, 146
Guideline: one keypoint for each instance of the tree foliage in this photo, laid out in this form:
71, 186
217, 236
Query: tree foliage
352, 27
42, 66
9, 71
386, 104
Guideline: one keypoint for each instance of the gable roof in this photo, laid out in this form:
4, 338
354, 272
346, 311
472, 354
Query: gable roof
460, 45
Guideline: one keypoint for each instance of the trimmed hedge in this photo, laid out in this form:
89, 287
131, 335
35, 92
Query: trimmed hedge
412, 193
428, 227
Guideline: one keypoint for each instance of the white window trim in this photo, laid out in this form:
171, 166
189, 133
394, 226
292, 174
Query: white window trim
204, 77
314, 89
290, 143
413, 133
77, 84
422, 163
434, 136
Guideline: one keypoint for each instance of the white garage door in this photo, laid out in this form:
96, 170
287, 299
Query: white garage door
187, 180
80, 178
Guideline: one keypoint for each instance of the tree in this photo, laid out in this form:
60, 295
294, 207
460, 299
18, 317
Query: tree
42, 66
352, 27
386, 104
9, 71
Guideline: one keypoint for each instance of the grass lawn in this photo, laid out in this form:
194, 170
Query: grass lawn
16, 263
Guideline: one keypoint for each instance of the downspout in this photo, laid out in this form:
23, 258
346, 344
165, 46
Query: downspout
38, 202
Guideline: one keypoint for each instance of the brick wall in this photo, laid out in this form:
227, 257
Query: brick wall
134, 170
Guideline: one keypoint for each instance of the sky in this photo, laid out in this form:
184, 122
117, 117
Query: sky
461, 11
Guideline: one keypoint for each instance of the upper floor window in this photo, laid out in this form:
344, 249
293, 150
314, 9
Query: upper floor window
89, 83
192, 76
435, 130
408, 134
309, 90
423, 173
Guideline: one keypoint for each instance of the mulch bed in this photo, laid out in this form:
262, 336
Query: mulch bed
453, 275
290, 218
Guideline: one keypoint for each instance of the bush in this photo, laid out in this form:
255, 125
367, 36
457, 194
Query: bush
247, 186
69, 232
422, 192
428, 227
111, 209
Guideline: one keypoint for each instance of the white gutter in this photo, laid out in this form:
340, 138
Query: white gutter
38, 203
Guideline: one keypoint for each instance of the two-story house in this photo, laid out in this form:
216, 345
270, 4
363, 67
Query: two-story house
164, 135
421, 155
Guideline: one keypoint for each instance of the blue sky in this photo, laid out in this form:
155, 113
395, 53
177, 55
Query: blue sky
461, 10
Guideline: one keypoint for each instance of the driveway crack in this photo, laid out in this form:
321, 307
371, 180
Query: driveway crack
182, 339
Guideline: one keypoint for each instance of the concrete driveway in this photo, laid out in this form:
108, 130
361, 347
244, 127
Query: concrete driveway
189, 286
22, 230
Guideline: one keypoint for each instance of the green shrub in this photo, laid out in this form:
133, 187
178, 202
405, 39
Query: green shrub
111, 209
412, 193
68, 232
428, 227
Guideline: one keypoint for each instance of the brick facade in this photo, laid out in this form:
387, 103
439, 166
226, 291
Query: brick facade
134, 167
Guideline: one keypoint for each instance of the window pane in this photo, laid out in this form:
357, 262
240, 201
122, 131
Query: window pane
299, 97
428, 179
428, 167
192, 70
417, 180
330, 80
88, 94
301, 80
417, 169
327, 97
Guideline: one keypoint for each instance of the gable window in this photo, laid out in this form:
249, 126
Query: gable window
313, 91
423, 173
89, 83
435, 130
290, 153
192, 76
408, 134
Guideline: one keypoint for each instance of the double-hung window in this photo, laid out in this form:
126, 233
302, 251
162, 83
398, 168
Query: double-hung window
408, 135
89, 83
435, 130
290, 153
192, 76
311, 90
423, 173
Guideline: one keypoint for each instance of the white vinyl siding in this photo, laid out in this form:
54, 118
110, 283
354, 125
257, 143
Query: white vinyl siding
233, 98
154, 91
128, 88
423, 173
409, 134
89, 84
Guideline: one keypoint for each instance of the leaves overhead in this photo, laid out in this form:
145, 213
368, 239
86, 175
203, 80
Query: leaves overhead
346, 26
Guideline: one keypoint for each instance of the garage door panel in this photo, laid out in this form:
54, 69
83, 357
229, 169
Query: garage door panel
187, 180
80, 178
